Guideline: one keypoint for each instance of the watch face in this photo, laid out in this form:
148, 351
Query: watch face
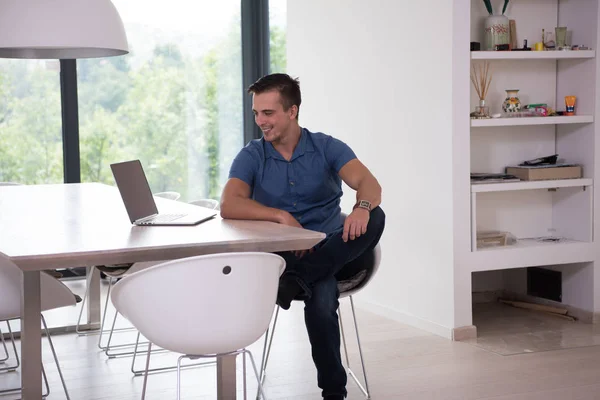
364, 204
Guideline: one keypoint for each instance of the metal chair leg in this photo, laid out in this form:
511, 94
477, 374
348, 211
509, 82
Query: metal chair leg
162, 369
13, 368
364, 389
267, 349
244, 375
146, 374
10, 368
260, 386
178, 376
62, 379
2, 360
110, 281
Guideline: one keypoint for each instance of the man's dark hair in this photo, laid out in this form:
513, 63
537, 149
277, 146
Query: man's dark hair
288, 88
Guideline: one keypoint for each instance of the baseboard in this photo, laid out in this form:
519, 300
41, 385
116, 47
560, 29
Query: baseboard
407, 319
581, 315
464, 333
490, 296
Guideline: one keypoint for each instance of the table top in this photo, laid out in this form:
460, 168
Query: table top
84, 224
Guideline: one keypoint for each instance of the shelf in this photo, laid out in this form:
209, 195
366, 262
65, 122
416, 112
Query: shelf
522, 121
529, 185
532, 55
530, 252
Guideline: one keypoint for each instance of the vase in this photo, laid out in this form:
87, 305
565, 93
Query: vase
512, 102
497, 31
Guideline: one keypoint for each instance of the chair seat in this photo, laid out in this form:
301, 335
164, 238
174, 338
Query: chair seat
351, 283
114, 271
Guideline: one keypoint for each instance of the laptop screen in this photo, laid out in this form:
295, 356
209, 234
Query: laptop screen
134, 189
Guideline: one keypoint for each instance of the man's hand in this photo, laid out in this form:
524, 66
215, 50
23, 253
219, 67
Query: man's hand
355, 224
286, 218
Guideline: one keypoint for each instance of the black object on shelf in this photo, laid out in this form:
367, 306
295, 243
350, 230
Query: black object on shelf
475, 46
548, 160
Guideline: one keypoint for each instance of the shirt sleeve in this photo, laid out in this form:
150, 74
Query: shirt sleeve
338, 154
244, 167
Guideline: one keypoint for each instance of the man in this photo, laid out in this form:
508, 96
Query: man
293, 176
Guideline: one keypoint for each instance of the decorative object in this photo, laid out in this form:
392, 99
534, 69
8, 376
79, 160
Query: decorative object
513, 34
497, 31
561, 36
60, 29
550, 43
481, 79
570, 105
497, 27
512, 102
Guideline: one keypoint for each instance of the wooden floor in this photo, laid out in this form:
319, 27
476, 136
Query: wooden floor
402, 362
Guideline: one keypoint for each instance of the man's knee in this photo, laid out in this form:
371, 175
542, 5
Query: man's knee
324, 298
376, 219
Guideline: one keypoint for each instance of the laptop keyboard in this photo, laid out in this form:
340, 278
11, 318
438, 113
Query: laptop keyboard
162, 218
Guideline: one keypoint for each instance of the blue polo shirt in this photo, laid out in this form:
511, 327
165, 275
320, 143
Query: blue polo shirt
308, 186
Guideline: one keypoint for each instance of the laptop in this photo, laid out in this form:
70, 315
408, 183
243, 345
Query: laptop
139, 202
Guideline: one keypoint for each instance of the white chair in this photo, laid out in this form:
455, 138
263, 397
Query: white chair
114, 273
367, 266
168, 195
54, 294
207, 203
210, 306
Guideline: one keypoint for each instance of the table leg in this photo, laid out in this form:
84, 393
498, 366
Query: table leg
93, 300
31, 337
226, 386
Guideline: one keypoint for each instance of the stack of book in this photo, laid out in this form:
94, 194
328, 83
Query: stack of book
492, 178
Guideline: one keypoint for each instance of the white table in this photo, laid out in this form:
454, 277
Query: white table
72, 225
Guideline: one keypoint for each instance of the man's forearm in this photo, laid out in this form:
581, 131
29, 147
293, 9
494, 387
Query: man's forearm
370, 190
244, 208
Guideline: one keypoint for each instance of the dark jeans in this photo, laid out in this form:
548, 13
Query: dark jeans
318, 274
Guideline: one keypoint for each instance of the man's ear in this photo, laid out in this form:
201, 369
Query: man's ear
293, 111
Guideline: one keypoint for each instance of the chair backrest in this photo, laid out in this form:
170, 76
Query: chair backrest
210, 304
168, 195
54, 293
207, 203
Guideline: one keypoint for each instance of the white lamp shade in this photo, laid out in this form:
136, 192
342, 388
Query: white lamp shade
60, 29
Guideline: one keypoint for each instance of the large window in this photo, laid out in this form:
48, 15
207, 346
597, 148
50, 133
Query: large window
277, 35
175, 102
30, 122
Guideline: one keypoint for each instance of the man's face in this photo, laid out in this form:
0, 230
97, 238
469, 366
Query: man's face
270, 115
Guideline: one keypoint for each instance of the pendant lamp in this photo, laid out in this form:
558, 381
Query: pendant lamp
60, 29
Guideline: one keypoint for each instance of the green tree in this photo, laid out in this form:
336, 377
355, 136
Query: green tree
278, 48
154, 117
31, 136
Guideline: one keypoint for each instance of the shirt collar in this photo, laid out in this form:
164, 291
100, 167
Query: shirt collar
304, 145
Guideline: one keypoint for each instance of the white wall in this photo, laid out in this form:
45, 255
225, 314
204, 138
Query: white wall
378, 75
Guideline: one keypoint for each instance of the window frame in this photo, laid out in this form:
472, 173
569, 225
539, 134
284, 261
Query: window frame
255, 63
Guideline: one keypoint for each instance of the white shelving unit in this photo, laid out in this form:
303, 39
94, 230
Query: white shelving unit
527, 121
530, 210
530, 185
532, 55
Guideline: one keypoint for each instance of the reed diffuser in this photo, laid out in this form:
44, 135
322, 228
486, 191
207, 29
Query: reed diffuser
481, 77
